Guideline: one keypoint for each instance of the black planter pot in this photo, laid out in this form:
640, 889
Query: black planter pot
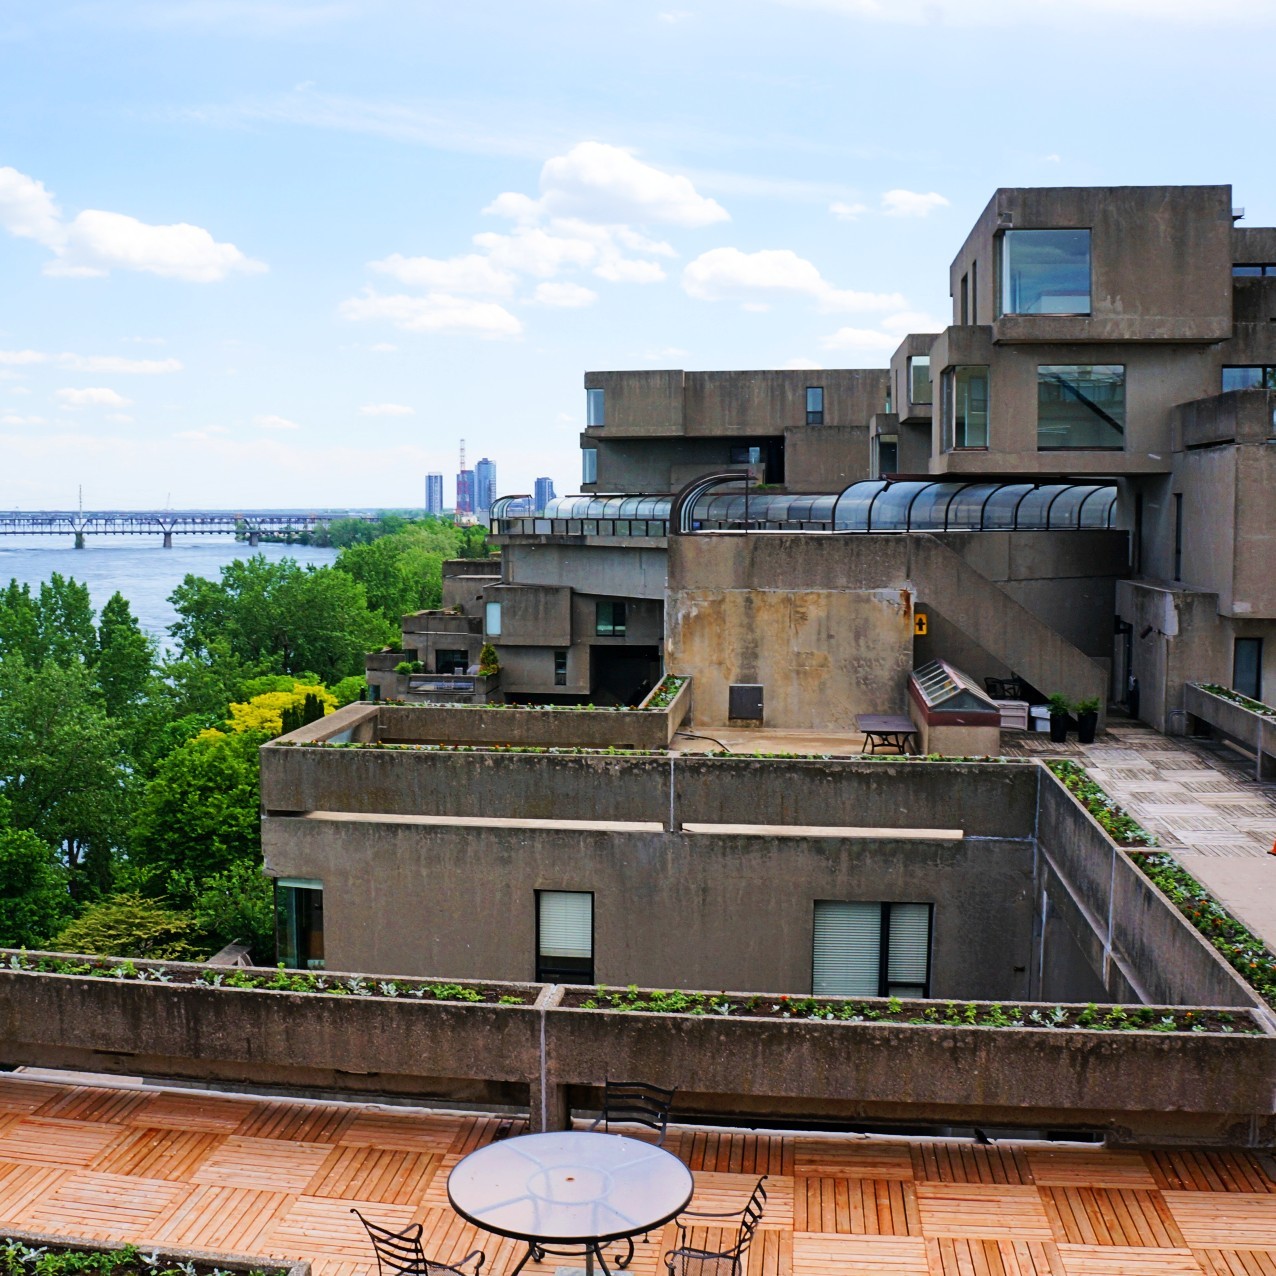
1087, 725
1058, 727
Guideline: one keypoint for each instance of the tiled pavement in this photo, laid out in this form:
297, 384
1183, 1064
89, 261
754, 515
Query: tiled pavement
277, 1178
1201, 800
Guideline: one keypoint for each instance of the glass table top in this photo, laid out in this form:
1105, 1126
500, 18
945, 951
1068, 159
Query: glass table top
569, 1187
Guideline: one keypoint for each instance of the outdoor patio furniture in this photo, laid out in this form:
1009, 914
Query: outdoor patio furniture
888, 732
691, 1260
400, 1253
636, 1103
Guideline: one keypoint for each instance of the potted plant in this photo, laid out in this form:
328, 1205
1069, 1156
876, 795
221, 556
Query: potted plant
1059, 717
1087, 720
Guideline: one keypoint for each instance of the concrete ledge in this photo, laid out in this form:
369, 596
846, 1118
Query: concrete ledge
209, 1258
475, 821
824, 830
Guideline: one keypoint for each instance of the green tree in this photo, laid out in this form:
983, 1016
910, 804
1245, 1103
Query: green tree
19, 624
35, 902
132, 926
67, 634
125, 659
63, 767
237, 906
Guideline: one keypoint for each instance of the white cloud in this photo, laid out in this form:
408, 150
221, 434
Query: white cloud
859, 339
902, 203
383, 347
97, 242
91, 396
629, 270
18, 358
1064, 13
91, 362
567, 296
10, 418
845, 212
435, 312
798, 364
387, 409
533, 251
666, 352
270, 422
913, 321
120, 418
727, 274
608, 185
471, 273
674, 16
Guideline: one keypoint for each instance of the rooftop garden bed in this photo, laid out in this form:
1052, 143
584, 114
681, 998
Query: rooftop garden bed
950, 1014
1115, 821
263, 980
21, 1255
1226, 693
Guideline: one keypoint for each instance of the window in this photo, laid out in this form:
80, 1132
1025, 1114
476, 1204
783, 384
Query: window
594, 408
974, 292
887, 454
1045, 272
453, 660
1253, 270
1247, 667
863, 949
589, 465
815, 405
746, 456
560, 668
919, 389
1080, 406
609, 619
964, 311
1249, 377
299, 923
1178, 536
968, 406
565, 937
492, 620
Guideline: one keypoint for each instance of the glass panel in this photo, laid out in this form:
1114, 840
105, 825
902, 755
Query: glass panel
492, 620
560, 668
815, 405
746, 456
1045, 272
908, 950
887, 454
927, 510
594, 408
1080, 406
565, 936
1247, 667
1242, 378
919, 387
1246, 270
964, 509
846, 955
299, 923
609, 618
969, 408
589, 465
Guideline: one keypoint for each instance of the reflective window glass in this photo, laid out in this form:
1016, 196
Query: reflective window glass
1080, 406
815, 405
968, 406
1245, 269
919, 388
1249, 377
1045, 272
609, 618
589, 465
299, 923
492, 620
594, 407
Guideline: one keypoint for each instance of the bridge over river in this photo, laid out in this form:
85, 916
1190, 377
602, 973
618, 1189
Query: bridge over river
248, 524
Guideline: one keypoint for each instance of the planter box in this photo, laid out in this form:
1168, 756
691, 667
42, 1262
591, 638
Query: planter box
1256, 731
168, 1257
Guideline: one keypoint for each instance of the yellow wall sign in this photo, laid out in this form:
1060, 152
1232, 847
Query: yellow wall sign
920, 623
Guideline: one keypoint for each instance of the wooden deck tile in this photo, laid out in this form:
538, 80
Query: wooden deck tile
744, 1152
1069, 1167
1236, 1262
267, 1165
304, 1122
54, 1141
967, 1209
311, 1225
1236, 1221
95, 1103
107, 1207
17, 1095
158, 1153
954, 1162
843, 1158
371, 1174
214, 1114
233, 1220
1190, 1171
1110, 1216
408, 1132
1113, 1260
961, 1256
816, 1254
866, 1207
719, 1193
22, 1185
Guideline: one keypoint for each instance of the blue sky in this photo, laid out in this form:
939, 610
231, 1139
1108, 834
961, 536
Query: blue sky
264, 252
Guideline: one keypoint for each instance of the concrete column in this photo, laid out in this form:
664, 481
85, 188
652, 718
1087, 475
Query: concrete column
548, 1108
168, 539
254, 537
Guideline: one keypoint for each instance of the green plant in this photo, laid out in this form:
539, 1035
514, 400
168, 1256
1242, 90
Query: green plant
1117, 823
1060, 706
1091, 705
404, 666
489, 663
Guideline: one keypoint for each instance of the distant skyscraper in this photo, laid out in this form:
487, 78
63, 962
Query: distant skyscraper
465, 492
544, 494
484, 485
434, 493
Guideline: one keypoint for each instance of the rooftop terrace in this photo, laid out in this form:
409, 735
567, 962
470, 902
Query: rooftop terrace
277, 1178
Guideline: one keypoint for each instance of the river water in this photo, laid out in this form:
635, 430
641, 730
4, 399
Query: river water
138, 566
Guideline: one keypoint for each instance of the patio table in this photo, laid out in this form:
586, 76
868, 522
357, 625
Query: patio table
572, 1189
891, 731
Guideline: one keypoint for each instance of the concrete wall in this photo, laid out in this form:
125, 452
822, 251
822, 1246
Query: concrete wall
631, 571
532, 615
825, 458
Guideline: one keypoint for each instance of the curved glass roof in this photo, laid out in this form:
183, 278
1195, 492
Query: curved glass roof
876, 505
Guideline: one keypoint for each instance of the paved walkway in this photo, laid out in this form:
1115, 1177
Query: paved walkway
1201, 800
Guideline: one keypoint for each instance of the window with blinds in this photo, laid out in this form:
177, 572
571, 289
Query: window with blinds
565, 937
866, 949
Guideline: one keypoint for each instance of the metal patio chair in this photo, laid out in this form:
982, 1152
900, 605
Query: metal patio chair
400, 1253
636, 1103
689, 1260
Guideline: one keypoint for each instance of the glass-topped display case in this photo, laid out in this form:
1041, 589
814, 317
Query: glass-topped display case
953, 714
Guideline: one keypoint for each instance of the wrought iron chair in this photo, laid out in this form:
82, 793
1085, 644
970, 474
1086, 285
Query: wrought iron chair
688, 1260
400, 1253
636, 1103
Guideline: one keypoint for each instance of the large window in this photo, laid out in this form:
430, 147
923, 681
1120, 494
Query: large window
589, 465
609, 619
1249, 377
967, 406
1253, 269
919, 388
560, 668
492, 620
871, 950
298, 923
564, 937
815, 405
1080, 406
742, 455
595, 408
1045, 272
887, 454
452, 660
1247, 667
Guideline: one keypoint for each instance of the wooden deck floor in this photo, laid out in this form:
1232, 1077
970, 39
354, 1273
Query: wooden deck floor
278, 1178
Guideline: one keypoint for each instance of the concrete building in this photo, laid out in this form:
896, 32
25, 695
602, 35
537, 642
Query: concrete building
434, 494
484, 485
466, 493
